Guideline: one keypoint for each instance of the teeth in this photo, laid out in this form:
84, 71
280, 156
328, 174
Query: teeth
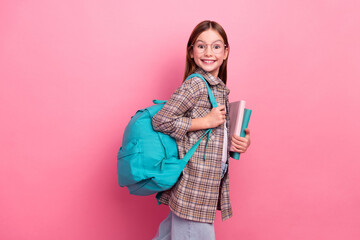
209, 61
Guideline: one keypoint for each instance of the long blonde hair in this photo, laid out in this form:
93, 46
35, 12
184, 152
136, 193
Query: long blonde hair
190, 65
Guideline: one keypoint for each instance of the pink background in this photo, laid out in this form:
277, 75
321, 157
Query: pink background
73, 72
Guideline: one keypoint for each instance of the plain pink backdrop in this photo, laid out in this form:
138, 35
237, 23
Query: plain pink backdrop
74, 72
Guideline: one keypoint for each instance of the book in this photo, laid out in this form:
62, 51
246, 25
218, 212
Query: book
239, 120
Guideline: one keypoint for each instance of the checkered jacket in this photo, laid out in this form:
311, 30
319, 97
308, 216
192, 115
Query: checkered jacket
200, 191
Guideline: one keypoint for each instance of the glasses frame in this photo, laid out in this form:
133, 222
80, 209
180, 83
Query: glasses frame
207, 44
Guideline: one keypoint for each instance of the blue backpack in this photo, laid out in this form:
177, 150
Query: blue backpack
148, 161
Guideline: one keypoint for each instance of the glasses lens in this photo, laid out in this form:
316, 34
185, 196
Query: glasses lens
217, 47
200, 47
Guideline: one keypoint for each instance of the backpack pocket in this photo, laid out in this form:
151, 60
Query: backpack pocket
129, 164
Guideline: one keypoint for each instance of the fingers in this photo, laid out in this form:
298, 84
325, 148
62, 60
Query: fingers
240, 140
221, 111
239, 143
247, 135
238, 148
217, 116
221, 107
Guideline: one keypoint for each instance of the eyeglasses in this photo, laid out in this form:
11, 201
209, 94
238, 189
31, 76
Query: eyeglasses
217, 47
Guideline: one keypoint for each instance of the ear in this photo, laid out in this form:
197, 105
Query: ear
191, 53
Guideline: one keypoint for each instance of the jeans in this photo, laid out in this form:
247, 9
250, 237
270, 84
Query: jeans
176, 228
223, 169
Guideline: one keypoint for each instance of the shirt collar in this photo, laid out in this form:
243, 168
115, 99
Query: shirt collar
211, 79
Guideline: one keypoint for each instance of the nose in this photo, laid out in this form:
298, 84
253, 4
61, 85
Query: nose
208, 50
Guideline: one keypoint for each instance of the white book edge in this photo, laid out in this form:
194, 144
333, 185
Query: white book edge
239, 108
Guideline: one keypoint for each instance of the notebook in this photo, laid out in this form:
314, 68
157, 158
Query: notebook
239, 120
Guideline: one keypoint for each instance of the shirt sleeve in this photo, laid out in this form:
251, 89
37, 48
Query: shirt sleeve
171, 118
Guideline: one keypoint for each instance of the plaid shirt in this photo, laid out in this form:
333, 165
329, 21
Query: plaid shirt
200, 190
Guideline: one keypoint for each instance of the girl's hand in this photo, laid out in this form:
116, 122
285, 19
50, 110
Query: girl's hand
241, 144
216, 117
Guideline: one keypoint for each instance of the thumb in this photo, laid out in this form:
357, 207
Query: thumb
247, 133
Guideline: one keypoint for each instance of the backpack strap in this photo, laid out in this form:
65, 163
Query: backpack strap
159, 101
211, 95
214, 104
192, 150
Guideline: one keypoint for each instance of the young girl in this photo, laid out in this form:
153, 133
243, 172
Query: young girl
203, 186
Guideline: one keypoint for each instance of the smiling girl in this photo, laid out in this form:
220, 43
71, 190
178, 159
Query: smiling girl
203, 186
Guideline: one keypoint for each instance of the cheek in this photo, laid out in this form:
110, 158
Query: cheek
222, 57
221, 61
197, 58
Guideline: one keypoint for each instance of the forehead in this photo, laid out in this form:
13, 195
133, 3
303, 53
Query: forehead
209, 35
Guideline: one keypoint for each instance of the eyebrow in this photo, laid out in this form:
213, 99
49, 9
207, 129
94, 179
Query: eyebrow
212, 42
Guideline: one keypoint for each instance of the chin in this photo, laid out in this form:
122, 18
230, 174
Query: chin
209, 70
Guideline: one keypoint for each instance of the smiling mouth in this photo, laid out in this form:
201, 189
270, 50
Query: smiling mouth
208, 61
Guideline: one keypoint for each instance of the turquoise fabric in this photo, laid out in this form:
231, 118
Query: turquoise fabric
148, 161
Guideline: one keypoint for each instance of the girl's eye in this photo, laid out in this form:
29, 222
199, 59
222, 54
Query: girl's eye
217, 46
201, 46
